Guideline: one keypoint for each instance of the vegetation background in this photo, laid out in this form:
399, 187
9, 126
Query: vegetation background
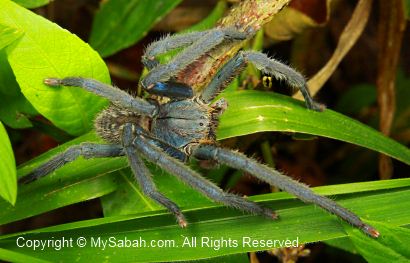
356, 55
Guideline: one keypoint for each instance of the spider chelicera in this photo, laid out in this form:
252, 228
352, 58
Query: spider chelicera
170, 133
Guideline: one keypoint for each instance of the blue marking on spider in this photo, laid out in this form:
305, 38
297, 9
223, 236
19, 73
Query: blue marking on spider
172, 89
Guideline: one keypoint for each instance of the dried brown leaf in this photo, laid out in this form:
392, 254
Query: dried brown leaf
298, 16
347, 39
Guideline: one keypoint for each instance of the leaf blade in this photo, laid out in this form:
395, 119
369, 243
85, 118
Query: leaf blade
119, 24
393, 245
298, 220
8, 35
47, 50
8, 181
14, 113
79, 181
12, 256
262, 111
32, 3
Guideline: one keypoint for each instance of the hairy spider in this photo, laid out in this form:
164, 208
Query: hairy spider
169, 133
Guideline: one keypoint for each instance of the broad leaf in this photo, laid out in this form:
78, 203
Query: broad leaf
14, 113
46, 50
8, 35
32, 3
8, 181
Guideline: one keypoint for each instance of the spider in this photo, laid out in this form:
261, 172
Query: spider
170, 133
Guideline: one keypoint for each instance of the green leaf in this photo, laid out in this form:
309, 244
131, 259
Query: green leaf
211, 19
356, 98
407, 8
128, 198
79, 181
392, 245
8, 35
32, 3
262, 111
344, 243
226, 259
402, 117
12, 256
46, 50
87, 179
13, 113
8, 181
121, 23
301, 222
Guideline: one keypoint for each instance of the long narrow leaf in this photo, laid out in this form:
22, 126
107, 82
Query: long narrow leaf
394, 245
263, 111
8, 181
299, 223
12, 256
80, 181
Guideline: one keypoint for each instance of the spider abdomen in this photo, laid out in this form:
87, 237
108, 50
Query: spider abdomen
109, 123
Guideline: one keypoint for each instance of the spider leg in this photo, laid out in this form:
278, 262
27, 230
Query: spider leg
169, 43
87, 150
155, 155
165, 146
116, 96
209, 40
273, 177
268, 66
281, 71
223, 77
170, 89
143, 176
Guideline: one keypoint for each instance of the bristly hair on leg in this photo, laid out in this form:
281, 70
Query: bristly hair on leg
241, 162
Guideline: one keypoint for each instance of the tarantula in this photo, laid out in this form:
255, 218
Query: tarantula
169, 133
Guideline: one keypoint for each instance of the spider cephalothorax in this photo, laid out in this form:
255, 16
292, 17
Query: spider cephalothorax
170, 133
